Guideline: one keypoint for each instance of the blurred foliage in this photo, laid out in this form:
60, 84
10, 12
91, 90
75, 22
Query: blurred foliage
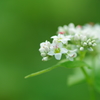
23, 25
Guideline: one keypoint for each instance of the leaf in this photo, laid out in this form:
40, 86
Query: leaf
72, 64
76, 78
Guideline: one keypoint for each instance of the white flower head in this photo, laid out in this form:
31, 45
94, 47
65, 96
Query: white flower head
57, 50
71, 37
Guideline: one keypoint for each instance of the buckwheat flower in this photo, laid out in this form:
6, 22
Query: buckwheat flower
57, 50
61, 38
44, 49
71, 55
62, 30
71, 29
71, 25
44, 46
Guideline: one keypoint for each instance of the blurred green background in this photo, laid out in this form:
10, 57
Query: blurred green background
23, 25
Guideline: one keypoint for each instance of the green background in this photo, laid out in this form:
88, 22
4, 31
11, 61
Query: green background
24, 24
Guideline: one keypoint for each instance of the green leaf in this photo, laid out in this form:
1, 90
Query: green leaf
72, 64
76, 78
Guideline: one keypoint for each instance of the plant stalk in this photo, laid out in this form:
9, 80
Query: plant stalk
90, 84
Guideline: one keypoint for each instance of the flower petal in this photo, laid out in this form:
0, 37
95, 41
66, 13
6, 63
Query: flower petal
54, 37
64, 50
58, 56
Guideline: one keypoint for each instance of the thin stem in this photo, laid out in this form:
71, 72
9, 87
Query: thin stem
88, 78
90, 84
42, 71
86, 75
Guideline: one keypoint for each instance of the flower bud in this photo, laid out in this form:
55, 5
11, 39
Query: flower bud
93, 41
71, 25
41, 49
90, 49
84, 44
81, 48
88, 40
43, 54
90, 43
45, 59
94, 44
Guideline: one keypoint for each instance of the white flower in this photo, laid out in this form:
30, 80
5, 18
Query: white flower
71, 25
71, 54
80, 37
44, 47
57, 50
61, 38
62, 30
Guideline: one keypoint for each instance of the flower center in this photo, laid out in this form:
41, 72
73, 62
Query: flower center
57, 50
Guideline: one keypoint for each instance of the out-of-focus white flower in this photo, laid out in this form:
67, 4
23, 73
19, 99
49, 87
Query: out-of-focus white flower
57, 50
71, 25
61, 38
71, 55
81, 48
62, 30
90, 49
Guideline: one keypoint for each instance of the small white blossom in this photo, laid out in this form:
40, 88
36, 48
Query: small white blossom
71, 55
61, 38
62, 30
44, 47
57, 50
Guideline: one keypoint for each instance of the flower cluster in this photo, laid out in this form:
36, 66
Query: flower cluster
70, 40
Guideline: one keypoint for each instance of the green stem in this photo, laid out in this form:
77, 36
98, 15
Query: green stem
40, 72
88, 78
90, 84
